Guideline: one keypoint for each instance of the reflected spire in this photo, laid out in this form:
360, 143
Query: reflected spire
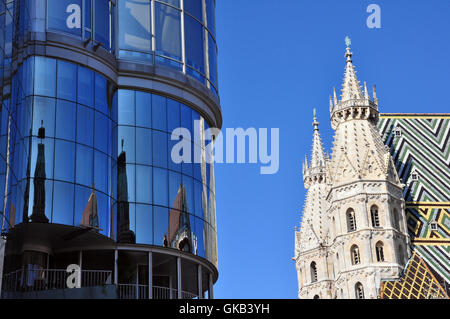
38, 215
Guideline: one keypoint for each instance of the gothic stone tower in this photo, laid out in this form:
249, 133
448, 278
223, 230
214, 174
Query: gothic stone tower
361, 208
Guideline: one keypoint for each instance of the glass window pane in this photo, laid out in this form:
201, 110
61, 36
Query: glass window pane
188, 184
210, 14
143, 109
173, 115
65, 120
126, 142
186, 118
64, 160
175, 3
135, 25
194, 7
82, 203
171, 164
161, 225
101, 103
103, 213
143, 146
159, 112
187, 168
101, 166
144, 184
85, 86
85, 125
199, 234
87, 14
102, 132
45, 76
160, 186
144, 224
64, 15
84, 165
63, 203
159, 149
212, 55
199, 204
67, 74
194, 43
175, 191
168, 31
126, 107
102, 22
43, 153
44, 116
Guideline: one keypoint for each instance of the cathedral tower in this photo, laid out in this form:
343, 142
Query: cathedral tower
354, 231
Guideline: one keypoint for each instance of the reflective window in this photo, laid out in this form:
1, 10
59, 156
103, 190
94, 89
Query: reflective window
85, 125
143, 146
168, 31
127, 143
44, 116
45, 76
175, 3
84, 165
160, 149
63, 203
160, 189
194, 43
212, 55
85, 86
64, 15
210, 16
67, 74
144, 181
175, 190
143, 109
194, 7
101, 168
101, 101
159, 112
102, 132
188, 184
173, 115
65, 120
102, 22
161, 225
64, 160
126, 107
135, 25
144, 224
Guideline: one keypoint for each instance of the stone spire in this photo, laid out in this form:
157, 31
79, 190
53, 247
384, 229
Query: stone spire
351, 89
315, 170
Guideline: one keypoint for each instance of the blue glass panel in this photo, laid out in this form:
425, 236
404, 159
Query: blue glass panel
187, 168
126, 107
210, 14
173, 115
45, 76
131, 181
144, 184
194, 43
65, 120
143, 146
172, 164
159, 112
132, 216
144, 224
101, 132
102, 22
101, 102
175, 3
212, 55
64, 160
168, 31
143, 109
126, 140
186, 118
87, 14
63, 203
160, 225
48, 198
199, 236
103, 212
67, 75
64, 15
159, 149
44, 116
135, 25
85, 86
174, 190
199, 204
85, 125
194, 7
188, 184
84, 165
101, 165
160, 186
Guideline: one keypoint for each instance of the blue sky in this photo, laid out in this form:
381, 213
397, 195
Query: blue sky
277, 61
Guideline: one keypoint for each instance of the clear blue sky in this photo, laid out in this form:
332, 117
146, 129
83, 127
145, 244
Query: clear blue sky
278, 60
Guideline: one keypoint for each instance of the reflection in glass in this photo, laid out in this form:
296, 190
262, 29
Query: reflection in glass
89, 218
159, 112
85, 125
194, 43
102, 22
64, 160
160, 188
85, 86
44, 112
168, 31
144, 182
65, 120
143, 146
194, 7
161, 225
125, 235
67, 73
126, 141
101, 132
84, 165
144, 224
160, 149
143, 109
38, 214
63, 203
134, 25
45, 76
126, 107
101, 168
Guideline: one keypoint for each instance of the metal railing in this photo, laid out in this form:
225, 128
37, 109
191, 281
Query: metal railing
49, 279
133, 291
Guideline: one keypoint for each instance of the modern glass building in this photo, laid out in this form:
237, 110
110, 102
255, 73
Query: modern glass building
91, 92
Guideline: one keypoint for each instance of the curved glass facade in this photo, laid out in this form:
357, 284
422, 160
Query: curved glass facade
86, 154
176, 33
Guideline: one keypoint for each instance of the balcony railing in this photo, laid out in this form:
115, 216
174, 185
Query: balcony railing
49, 279
133, 291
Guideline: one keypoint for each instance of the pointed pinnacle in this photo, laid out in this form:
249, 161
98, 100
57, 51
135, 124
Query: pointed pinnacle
366, 93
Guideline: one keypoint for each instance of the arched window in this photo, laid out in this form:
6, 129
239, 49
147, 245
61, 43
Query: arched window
359, 291
316, 297
354, 251
374, 215
313, 272
351, 221
379, 251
